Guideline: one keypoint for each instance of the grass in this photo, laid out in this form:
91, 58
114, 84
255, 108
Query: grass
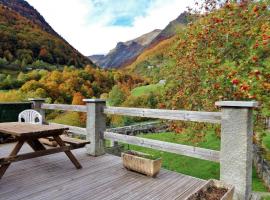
266, 140
68, 118
191, 166
138, 91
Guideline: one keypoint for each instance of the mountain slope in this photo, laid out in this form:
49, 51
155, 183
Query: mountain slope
26, 40
171, 29
124, 52
23, 8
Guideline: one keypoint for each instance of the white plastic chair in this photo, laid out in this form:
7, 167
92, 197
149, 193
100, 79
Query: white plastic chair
30, 116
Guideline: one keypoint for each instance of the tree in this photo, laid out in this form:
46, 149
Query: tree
78, 99
8, 55
45, 55
116, 96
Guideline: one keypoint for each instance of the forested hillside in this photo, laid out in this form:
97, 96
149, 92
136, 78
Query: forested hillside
26, 10
27, 44
69, 86
223, 55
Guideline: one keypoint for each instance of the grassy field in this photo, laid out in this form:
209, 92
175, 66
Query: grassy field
68, 118
191, 166
266, 140
146, 89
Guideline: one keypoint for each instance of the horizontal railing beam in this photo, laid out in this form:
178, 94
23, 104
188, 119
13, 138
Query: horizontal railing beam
195, 152
73, 129
194, 116
75, 108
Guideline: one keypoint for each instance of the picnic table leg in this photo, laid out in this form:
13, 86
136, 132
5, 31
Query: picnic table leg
14, 152
68, 153
36, 145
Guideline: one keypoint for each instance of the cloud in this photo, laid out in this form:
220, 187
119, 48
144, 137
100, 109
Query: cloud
95, 26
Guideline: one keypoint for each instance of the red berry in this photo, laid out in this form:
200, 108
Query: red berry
255, 58
235, 81
255, 8
244, 87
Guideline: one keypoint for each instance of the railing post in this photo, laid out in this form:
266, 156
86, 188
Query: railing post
236, 146
95, 126
36, 105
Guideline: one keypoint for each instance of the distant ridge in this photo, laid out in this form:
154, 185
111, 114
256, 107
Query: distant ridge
171, 29
125, 52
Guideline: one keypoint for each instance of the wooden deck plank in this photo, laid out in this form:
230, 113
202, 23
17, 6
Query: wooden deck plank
102, 178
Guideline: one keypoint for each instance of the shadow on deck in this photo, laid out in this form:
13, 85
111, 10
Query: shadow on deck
54, 177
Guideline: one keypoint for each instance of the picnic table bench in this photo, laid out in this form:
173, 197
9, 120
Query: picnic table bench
30, 134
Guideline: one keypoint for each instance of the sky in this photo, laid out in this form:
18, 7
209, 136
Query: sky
95, 26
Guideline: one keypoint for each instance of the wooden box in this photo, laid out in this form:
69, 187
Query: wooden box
139, 162
219, 184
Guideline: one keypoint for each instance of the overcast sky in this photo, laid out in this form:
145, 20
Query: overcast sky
95, 26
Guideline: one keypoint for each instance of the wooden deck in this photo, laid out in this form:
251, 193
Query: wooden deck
55, 177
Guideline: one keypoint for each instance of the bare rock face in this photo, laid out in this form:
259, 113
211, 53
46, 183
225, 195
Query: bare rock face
124, 52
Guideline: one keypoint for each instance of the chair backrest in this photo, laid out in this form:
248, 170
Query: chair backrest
30, 116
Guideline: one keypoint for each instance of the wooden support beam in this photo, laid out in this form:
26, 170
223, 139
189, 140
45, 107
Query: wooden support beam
35, 154
195, 152
15, 151
76, 108
195, 116
73, 129
68, 152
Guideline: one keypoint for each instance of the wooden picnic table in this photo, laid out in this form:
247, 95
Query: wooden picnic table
31, 133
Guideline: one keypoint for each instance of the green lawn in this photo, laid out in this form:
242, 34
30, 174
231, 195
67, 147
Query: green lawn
266, 140
146, 89
187, 165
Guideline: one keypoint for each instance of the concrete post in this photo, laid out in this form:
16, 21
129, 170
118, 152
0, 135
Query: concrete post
236, 146
36, 105
95, 126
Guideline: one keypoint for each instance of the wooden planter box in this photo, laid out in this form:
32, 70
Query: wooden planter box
219, 184
136, 161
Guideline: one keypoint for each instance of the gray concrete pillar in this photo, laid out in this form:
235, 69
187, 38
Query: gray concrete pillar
36, 105
95, 126
236, 146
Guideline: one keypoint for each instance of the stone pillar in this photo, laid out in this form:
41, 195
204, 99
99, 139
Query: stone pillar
95, 126
236, 146
36, 105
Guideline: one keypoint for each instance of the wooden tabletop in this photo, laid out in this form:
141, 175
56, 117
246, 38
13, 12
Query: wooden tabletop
19, 129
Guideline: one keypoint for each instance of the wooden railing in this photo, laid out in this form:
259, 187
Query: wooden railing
235, 155
76, 108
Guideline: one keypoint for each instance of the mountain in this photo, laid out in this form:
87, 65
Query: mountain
124, 52
23, 8
28, 41
171, 29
